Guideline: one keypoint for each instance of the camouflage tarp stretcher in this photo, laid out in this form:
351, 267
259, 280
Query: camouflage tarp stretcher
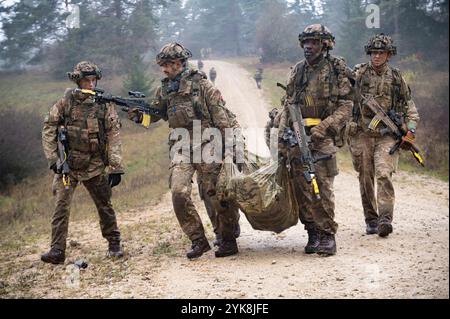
263, 192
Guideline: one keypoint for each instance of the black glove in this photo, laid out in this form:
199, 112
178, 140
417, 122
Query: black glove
54, 168
114, 179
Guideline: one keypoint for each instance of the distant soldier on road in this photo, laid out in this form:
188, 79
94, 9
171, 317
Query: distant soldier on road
258, 76
212, 75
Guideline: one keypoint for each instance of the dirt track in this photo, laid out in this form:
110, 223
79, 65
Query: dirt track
411, 263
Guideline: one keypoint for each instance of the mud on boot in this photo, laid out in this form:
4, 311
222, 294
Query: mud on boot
384, 229
227, 248
327, 246
115, 250
199, 247
54, 256
372, 228
313, 241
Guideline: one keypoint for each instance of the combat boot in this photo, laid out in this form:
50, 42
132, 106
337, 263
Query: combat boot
54, 256
313, 241
384, 229
227, 248
237, 230
218, 240
327, 246
372, 228
115, 250
199, 247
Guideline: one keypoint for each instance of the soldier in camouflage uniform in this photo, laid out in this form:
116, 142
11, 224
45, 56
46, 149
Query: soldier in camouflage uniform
94, 146
320, 86
369, 147
186, 95
212, 75
200, 64
258, 76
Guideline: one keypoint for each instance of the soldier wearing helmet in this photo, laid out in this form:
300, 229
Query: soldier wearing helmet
185, 96
94, 156
370, 145
319, 86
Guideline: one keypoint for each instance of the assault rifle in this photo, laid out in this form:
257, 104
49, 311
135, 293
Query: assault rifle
62, 167
302, 140
135, 101
393, 123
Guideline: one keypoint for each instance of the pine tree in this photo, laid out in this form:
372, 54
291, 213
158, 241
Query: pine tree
137, 78
28, 26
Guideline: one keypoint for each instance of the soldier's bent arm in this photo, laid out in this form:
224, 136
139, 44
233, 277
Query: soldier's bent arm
50, 131
216, 104
342, 114
410, 113
114, 146
158, 103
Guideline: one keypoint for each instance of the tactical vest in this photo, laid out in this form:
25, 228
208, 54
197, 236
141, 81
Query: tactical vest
85, 123
389, 93
317, 91
187, 104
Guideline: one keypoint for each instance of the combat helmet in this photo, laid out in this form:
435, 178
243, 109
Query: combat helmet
381, 42
84, 69
172, 52
317, 32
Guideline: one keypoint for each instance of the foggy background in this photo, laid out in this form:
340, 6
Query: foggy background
42, 40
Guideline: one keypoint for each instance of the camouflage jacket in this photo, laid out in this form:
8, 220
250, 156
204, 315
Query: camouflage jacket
93, 135
324, 93
195, 99
390, 91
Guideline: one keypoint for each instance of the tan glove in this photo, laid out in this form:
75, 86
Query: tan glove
135, 115
319, 132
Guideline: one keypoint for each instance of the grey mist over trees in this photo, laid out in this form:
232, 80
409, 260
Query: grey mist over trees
123, 36
113, 32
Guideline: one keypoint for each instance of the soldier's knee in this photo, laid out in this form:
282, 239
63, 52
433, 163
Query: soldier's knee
357, 161
384, 172
179, 195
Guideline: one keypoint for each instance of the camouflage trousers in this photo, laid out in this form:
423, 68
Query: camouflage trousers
371, 159
100, 192
312, 212
211, 210
224, 216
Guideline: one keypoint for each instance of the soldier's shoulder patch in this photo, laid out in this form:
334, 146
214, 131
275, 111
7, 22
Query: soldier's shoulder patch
198, 74
339, 63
